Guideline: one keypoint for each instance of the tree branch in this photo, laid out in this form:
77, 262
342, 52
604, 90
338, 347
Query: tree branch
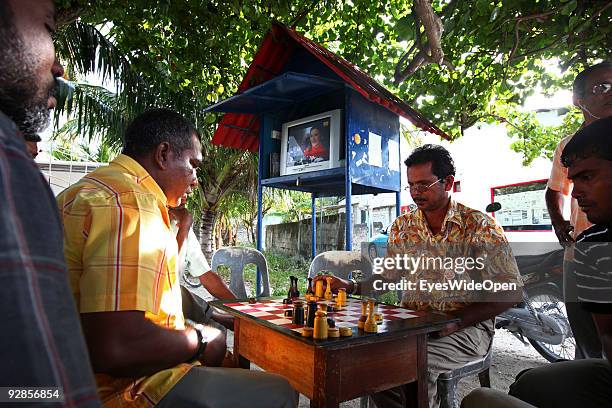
430, 52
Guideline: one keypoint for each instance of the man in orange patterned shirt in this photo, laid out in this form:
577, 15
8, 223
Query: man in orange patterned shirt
122, 259
442, 228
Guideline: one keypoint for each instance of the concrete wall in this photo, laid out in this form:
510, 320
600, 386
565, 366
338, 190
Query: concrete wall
294, 238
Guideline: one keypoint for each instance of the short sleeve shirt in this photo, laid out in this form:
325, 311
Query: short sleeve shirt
465, 230
122, 255
593, 268
193, 264
558, 181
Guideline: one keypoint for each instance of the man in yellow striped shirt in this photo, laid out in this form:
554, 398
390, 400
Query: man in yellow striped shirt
122, 259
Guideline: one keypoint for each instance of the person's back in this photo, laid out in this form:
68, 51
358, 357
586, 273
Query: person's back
122, 256
41, 339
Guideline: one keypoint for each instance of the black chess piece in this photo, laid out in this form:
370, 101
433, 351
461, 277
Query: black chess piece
293, 289
309, 291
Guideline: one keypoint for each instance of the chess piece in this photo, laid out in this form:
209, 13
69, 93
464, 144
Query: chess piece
328, 292
346, 331
370, 325
320, 326
312, 310
319, 288
293, 289
309, 291
307, 332
333, 332
364, 314
341, 299
298, 312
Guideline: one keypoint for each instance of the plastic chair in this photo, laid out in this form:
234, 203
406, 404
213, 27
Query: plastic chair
447, 382
236, 258
341, 264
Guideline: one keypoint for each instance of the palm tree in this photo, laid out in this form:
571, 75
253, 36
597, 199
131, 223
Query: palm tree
95, 112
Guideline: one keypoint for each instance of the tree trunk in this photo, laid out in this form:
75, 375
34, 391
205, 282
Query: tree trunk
206, 241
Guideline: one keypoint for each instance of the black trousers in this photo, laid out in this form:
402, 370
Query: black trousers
571, 384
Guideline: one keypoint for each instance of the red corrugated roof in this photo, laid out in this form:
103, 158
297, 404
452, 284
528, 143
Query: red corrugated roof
241, 130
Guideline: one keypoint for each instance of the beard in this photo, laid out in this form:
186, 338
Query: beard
22, 95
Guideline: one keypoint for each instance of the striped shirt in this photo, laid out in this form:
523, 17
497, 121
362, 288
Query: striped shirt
41, 338
121, 255
593, 268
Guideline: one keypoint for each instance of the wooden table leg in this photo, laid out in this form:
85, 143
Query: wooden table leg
417, 391
239, 360
326, 384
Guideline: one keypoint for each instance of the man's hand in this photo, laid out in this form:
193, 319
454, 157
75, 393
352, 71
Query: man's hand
184, 221
563, 229
182, 216
554, 204
448, 329
336, 283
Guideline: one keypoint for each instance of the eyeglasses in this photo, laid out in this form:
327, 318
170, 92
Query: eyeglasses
602, 88
420, 187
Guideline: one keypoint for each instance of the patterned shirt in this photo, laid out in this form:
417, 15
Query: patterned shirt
465, 233
558, 181
122, 255
41, 338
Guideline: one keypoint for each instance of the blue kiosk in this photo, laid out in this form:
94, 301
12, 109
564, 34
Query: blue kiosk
319, 124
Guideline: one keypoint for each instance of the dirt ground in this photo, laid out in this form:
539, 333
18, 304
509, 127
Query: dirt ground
510, 357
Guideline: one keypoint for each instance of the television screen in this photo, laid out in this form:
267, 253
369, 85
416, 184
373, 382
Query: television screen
311, 143
308, 143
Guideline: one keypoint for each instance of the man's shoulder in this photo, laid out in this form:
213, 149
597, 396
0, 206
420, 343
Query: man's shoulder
103, 184
473, 217
596, 233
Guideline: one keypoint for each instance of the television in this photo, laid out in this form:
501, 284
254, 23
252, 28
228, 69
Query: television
311, 143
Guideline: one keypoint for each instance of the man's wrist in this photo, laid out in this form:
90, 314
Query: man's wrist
353, 286
199, 329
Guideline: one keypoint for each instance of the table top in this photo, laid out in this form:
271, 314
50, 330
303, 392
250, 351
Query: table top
397, 321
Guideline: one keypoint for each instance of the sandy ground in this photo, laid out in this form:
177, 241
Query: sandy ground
510, 356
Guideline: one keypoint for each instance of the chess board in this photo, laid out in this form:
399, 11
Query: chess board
273, 311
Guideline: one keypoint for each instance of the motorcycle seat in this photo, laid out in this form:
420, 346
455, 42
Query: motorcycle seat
525, 261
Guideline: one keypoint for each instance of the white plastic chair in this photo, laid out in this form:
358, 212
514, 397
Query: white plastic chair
236, 258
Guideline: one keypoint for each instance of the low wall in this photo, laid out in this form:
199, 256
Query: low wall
294, 238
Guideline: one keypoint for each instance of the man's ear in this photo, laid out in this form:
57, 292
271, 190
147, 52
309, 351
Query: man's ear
162, 155
448, 183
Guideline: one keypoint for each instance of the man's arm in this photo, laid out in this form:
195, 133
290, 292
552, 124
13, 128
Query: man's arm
184, 221
554, 203
215, 285
481, 311
603, 322
126, 344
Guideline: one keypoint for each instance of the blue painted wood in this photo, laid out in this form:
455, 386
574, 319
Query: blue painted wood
365, 118
278, 93
397, 204
314, 225
348, 192
259, 209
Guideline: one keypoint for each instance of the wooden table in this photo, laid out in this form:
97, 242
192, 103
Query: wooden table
335, 370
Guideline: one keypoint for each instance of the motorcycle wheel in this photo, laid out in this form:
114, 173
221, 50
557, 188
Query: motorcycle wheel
550, 302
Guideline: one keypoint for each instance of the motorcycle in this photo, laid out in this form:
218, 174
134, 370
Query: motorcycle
540, 319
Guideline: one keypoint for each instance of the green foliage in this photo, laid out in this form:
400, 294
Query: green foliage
280, 268
187, 55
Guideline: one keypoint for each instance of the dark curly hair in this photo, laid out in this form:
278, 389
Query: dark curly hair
156, 126
579, 87
594, 140
442, 164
